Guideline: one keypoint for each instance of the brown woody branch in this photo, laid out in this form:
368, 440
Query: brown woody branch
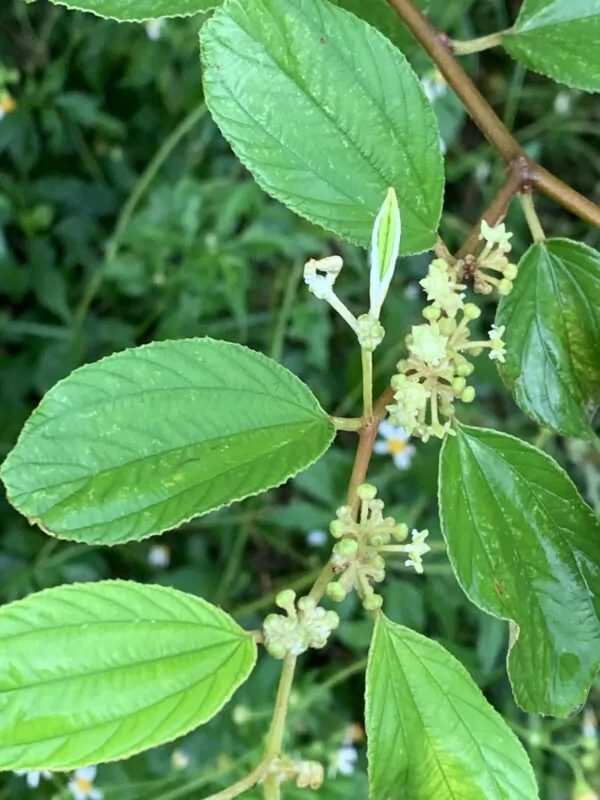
439, 48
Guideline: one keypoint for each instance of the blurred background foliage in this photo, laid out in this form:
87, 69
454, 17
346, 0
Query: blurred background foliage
124, 218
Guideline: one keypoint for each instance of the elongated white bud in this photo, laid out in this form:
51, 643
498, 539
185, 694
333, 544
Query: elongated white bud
385, 246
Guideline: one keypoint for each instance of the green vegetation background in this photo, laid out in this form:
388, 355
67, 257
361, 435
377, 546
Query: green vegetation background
206, 253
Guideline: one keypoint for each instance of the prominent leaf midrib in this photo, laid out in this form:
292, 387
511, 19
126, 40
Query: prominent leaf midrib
335, 123
445, 695
98, 405
152, 456
427, 737
164, 500
171, 623
558, 532
340, 55
469, 507
119, 720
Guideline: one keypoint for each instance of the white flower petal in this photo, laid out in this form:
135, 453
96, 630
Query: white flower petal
86, 773
381, 448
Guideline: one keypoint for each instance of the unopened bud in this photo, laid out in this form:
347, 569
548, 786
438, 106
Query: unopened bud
366, 492
471, 311
468, 395
505, 287
335, 592
458, 384
346, 548
337, 528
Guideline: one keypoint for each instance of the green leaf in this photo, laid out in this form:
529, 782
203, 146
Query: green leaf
96, 672
148, 438
381, 16
431, 732
140, 10
552, 335
525, 547
559, 38
327, 148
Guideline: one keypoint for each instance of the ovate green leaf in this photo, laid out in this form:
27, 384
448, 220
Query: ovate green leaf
431, 732
140, 10
526, 548
148, 438
559, 38
97, 672
326, 113
552, 335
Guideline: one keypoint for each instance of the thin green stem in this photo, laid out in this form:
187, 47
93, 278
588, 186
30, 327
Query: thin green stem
318, 590
535, 226
277, 729
129, 207
285, 311
245, 783
367, 376
468, 46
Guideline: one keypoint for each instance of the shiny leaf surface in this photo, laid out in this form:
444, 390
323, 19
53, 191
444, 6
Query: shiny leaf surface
139, 10
559, 38
431, 732
552, 336
526, 548
332, 134
148, 438
97, 672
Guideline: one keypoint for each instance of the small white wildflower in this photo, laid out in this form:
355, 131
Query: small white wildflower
483, 170
316, 538
395, 443
428, 344
159, 556
412, 291
180, 760
434, 85
81, 786
343, 762
34, 776
563, 103
416, 550
154, 28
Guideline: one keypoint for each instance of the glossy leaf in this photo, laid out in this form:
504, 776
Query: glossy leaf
96, 672
526, 548
552, 335
559, 38
337, 126
140, 10
148, 438
431, 732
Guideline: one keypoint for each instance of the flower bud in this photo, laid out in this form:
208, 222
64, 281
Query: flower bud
335, 592
366, 492
346, 548
505, 287
468, 395
400, 532
471, 311
337, 528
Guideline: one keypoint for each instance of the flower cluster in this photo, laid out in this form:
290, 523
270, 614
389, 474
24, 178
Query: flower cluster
357, 559
308, 774
306, 625
434, 375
